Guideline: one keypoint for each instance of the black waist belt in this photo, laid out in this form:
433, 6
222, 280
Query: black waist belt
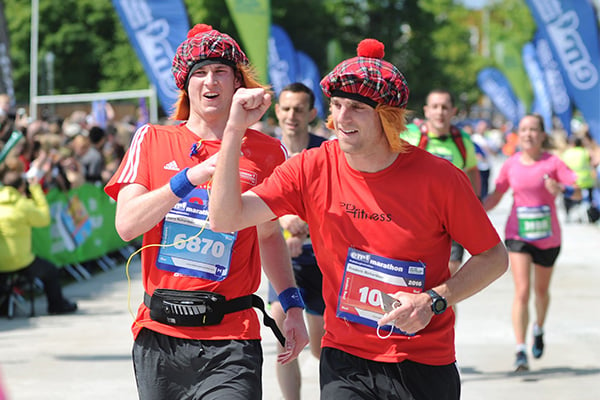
201, 308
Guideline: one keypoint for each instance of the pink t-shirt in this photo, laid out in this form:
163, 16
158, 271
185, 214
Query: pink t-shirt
533, 215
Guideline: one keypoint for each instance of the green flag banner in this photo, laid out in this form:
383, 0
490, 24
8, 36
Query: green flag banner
82, 226
509, 61
252, 19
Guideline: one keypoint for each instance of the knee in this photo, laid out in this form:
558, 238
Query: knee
522, 296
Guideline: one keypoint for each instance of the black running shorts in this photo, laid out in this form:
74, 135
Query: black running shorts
172, 368
544, 258
347, 377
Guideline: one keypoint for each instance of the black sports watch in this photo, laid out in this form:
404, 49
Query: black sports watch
438, 303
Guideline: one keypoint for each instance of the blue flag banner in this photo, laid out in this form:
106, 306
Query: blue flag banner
308, 73
541, 104
561, 102
282, 67
155, 29
572, 33
495, 85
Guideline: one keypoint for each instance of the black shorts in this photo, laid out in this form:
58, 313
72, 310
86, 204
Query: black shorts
456, 252
347, 377
167, 367
309, 280
545, 257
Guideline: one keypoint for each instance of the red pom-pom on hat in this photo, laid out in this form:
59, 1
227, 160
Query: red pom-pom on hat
199, 28
370, 48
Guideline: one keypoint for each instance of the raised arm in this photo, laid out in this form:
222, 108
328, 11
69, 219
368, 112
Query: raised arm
228, 210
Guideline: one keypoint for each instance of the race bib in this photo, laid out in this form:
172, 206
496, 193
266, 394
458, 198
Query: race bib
535, 223
190, 247
366, 276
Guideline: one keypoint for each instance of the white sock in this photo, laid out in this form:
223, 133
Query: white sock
537, 330
521, 347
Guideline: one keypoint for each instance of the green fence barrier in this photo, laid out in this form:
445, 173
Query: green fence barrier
82, 226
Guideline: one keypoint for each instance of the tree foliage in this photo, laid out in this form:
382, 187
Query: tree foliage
429, 40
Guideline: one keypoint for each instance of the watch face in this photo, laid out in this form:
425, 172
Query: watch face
439, 305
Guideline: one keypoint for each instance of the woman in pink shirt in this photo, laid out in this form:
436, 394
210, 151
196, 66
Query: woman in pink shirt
532, 234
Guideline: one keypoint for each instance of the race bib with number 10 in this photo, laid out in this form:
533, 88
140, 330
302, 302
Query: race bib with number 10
366, 276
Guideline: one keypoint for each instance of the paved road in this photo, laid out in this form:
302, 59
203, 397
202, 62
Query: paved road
87, 355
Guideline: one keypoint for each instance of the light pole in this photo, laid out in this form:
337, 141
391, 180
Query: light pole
49, 59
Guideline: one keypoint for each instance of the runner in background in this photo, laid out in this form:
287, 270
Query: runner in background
437, 135
532, 234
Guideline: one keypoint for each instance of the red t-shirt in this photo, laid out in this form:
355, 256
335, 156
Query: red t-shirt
156, 154
408, 211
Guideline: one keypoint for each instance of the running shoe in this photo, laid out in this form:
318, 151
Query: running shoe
521, 363
538, 345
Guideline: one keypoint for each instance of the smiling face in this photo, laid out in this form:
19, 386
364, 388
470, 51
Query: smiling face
210, 91
357, 127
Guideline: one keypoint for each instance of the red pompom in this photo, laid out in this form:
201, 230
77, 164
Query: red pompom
370, 48
199, 28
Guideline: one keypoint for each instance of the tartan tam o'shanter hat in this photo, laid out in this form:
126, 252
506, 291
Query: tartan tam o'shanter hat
204, 45
368, 78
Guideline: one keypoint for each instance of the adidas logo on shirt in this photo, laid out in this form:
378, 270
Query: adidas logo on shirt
172, 166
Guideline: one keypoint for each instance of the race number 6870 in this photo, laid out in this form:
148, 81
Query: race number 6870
198, 245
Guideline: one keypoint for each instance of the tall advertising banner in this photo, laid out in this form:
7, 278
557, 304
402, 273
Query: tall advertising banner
308, 73
282, 59
252, 19
561, 102
541, 97
572, 33
6, 81
155, 29
495, 85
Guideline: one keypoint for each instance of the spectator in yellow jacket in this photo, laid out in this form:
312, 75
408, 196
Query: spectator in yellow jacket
19, 213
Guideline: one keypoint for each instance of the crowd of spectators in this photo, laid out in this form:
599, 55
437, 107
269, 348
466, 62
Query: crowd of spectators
78, 148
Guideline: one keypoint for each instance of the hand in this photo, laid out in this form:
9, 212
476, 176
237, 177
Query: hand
552, 186
248, 106
294, 244
203, 172
21, 121
296, 336
294, 224
413, 314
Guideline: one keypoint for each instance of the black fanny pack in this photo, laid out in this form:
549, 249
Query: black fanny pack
201, 308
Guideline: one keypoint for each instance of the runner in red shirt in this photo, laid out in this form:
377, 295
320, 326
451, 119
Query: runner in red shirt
196, 333
382, 215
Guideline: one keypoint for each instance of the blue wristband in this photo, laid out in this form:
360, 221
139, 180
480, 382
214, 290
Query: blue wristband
180, 184
569, 191
289, 298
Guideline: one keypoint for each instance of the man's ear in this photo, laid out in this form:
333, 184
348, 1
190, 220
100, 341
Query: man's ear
313, 114
239, 80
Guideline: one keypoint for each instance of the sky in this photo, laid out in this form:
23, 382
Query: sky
474, 3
